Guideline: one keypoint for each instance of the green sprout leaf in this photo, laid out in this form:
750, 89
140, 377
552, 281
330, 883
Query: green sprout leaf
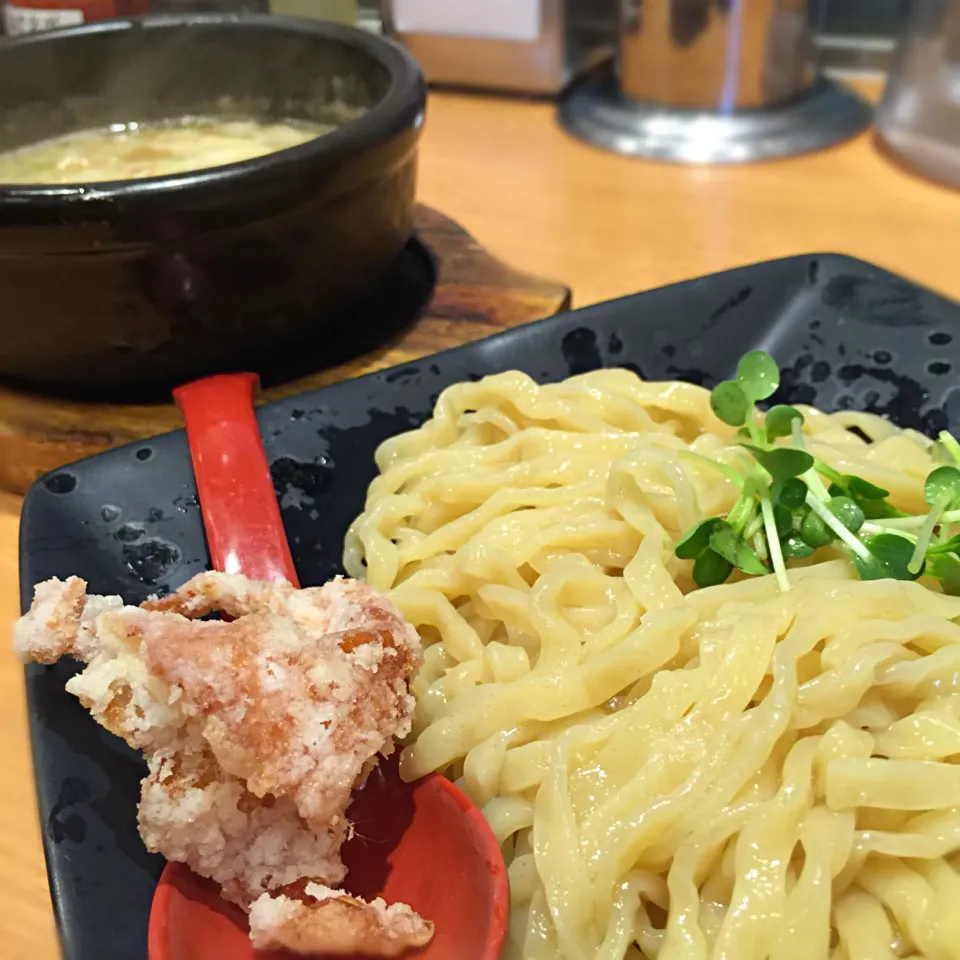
880, 510
868, 496
890, 556
696, 540
864, 489
730, 403
815, 532
847, 512
790, 493
948, 546
793, 513
782, 519
782, 463
947, 570
793, 548
779, 421
758, 375
710, 569
736, 551
942, 486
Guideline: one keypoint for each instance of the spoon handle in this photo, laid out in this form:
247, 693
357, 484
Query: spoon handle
240, 512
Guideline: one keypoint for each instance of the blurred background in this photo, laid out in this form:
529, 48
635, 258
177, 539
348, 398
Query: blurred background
849, 34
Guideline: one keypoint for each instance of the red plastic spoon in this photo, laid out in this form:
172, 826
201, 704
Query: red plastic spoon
422, 843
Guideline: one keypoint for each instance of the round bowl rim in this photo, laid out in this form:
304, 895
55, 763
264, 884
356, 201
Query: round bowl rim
400, 108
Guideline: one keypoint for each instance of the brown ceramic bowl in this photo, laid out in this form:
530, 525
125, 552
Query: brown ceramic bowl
125, 288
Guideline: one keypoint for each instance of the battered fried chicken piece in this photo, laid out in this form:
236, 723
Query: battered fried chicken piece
255, 733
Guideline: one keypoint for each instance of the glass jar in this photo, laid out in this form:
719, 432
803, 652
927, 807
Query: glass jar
919, 117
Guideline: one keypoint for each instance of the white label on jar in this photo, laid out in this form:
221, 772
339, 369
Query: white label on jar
492, 19
29, 19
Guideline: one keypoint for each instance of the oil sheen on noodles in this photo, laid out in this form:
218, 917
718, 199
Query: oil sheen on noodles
732, 772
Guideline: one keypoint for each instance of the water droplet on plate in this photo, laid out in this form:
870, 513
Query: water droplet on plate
148, 560
130, 533
61, 483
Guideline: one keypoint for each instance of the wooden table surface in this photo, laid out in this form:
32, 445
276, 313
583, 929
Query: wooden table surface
606, 226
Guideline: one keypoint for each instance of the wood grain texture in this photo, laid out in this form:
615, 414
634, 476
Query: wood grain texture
606, 225
26, 919
476, 296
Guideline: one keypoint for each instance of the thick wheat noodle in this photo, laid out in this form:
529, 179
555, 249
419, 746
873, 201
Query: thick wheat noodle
732, 772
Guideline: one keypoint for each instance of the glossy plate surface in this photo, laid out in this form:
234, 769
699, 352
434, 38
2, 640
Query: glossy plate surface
845, 333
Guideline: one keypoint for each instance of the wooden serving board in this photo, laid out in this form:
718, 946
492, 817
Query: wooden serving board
476, 295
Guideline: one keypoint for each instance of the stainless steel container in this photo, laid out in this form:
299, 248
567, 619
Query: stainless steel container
713, 81
715, 54
525, 46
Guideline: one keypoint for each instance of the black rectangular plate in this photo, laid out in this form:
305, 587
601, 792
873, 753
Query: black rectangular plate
846, 334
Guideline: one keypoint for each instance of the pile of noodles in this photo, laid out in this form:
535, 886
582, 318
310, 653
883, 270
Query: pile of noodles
732, 772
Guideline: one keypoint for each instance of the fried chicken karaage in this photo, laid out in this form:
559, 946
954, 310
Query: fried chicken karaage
255, 732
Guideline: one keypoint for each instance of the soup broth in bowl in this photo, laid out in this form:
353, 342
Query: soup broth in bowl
137, 150
133, 258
